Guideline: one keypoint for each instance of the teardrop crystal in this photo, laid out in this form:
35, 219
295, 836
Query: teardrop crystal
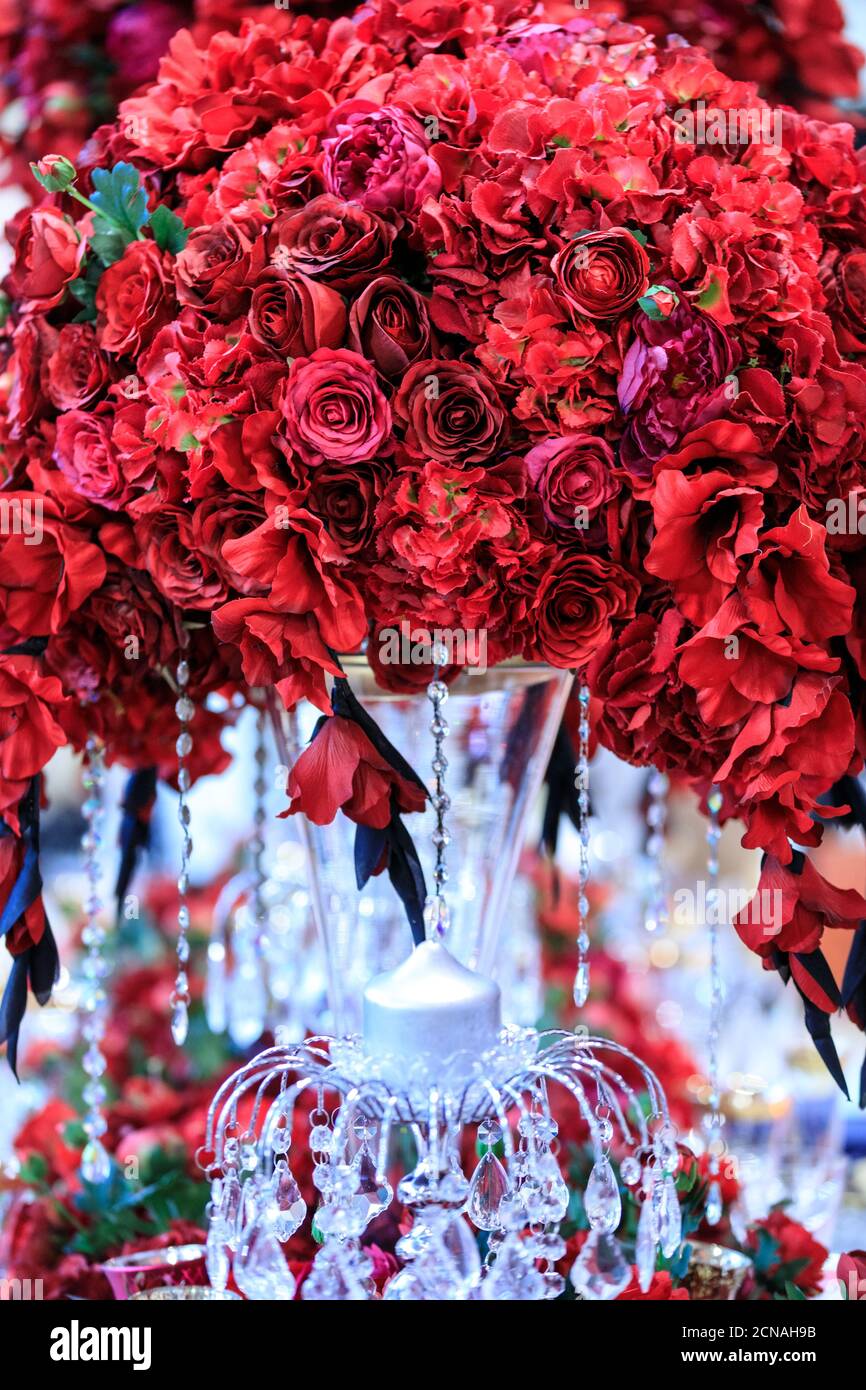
488, 1186
715, 1206
602, 1200
670, 1219
645, 1244
260, 1269
95, 1162
600, 1270
581, 984
179, 1023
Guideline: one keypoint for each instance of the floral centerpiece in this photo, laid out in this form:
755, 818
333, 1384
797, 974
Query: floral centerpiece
467, 320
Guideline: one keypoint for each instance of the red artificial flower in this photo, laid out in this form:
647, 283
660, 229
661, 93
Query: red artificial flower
449, 412
47, 567
601, 274
661, 1290
334, 409
131, 300
576, 607
30, 733
790, 911
341, 770
48, 256
42, 1136
389, 325
851, 1273
797, 1259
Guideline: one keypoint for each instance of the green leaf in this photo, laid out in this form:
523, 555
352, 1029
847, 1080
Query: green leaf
107, 243
85, 292
169, 233
792, 1292
119, 196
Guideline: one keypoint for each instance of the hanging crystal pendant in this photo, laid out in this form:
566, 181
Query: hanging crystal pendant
184, 709
600, 1270
488, 1186
95, 1161
260, 1268
656, 916
581, 782
646, 1242
602, 1201
714, 1120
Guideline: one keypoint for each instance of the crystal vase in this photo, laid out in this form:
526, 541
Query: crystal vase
502, 724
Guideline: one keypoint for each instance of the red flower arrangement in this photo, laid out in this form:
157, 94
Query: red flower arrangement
341, 321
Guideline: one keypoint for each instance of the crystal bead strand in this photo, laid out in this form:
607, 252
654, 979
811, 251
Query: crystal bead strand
257, 843
95, 1162
714, 1120
436, 916
184, 709
581, 782
657, 911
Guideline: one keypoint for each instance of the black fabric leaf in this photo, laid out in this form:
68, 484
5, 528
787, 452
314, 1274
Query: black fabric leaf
31, 646
817, 1021
12, 1008
138, 798
561, 791
370, 845
407, 876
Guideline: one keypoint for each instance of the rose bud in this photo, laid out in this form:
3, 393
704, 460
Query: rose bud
55, 172
603, 273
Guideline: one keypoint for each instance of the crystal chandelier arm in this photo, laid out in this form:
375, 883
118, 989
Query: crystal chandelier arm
501, 1111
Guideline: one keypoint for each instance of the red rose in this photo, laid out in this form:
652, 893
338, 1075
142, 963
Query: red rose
578, 600
76, 371
182, 572
223, 517
29, 731
47, 567
450, 412
293, 315
84, 452
132, 621
573, 476
216, 266
334, 408
602, 274
341, 770
340, 243
346, 498
48, 255
388, 323
131, 300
